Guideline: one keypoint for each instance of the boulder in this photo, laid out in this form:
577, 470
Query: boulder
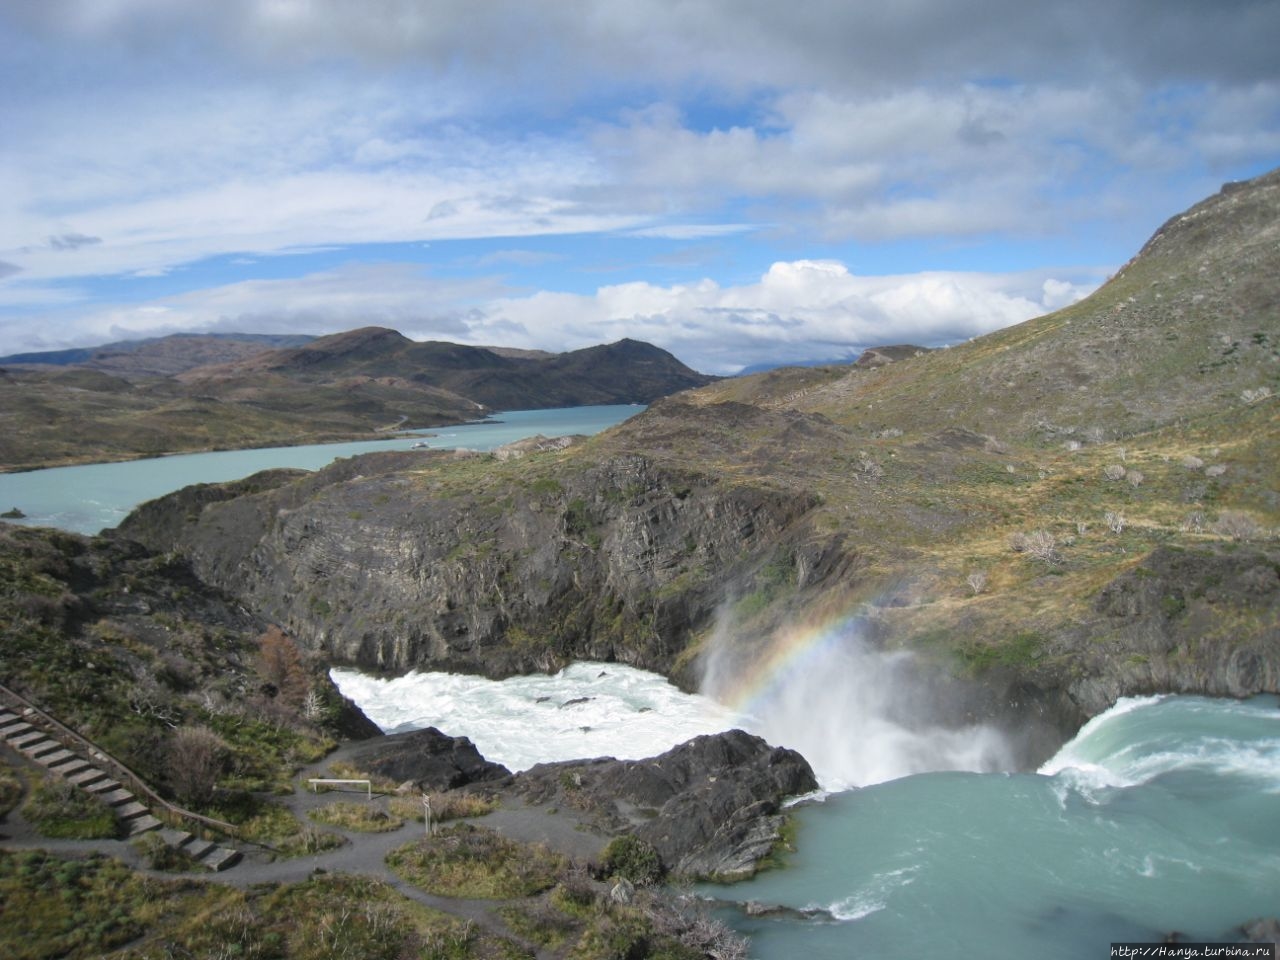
710, 807
429, 760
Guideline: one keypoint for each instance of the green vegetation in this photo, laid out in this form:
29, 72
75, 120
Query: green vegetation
12, 787
75, 908
57, 808
159, 855
475, 863
86, 909
633, 859
363, 816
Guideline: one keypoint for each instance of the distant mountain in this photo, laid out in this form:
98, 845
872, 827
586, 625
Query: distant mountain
158, 396
870, 357
624, 372
161, 356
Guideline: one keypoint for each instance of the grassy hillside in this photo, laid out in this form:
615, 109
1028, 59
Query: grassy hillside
357, 385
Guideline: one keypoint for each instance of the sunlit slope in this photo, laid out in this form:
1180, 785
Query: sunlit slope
1184, 330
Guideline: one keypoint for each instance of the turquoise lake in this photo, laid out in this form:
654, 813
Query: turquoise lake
89, 498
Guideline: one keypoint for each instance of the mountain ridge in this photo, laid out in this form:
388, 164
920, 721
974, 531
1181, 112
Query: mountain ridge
359, 384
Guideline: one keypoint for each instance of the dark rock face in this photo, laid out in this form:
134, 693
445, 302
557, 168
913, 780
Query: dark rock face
363, 561
431, 760
1193, 620
710, 807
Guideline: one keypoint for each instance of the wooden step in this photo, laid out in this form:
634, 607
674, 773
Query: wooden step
70, 766
102, 786
199, 848
87, 776
174, 838
23, 740
43, 749
142, 824
117, 798
221, 859
55, 757
13, 726
131, 810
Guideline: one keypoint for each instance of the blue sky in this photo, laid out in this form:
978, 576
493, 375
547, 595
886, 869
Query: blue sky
738, 181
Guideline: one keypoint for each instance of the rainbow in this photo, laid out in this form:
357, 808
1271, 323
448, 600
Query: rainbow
793, 650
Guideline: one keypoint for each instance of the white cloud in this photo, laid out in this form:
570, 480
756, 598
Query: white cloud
795, 311
798, 310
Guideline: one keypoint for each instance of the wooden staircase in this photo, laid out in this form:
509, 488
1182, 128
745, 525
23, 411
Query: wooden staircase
34, 736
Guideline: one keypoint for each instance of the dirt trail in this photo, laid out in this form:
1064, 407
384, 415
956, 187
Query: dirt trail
363, 853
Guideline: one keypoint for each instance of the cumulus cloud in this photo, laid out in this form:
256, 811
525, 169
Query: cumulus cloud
796, 310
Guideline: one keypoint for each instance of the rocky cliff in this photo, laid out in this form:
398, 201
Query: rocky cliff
479, 565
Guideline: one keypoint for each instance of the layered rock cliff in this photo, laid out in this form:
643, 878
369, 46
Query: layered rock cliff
509, 570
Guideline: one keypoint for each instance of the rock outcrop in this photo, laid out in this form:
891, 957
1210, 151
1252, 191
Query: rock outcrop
1203, 619
374, 563
428, 759
711, 807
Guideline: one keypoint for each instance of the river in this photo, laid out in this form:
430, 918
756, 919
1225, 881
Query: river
1161, 815
91, 497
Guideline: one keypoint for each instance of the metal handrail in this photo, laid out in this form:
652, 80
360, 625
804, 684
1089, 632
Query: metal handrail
118, 769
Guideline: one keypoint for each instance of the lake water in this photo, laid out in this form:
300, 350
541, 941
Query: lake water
89, 498
1161, 815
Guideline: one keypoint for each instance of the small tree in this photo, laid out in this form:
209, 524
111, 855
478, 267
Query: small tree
1038, 545
1237, 525
197, 757
280, 663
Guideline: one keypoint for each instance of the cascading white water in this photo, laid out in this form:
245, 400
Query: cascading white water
859, 715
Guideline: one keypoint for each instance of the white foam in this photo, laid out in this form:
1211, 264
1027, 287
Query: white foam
624, 712
874, 896
1113, 750
841, 705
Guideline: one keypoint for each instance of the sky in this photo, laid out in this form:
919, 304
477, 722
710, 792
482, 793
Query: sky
740, 182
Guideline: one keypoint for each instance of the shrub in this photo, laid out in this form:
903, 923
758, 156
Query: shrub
197, 757
362, 816
1038, 545
59, 809
632, 858
1135, 478
977, 581
1114, 471
160, 856
1115, 521
1237, 525
473, 863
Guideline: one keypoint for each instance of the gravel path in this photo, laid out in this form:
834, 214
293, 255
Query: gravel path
362, 854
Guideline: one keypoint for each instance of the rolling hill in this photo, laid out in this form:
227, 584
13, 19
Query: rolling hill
353, 385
